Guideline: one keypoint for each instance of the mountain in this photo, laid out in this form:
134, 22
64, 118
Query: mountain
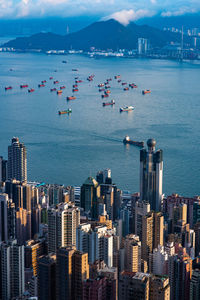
101, 35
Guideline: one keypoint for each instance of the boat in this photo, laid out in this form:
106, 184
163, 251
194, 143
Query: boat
100, 84
31, 90
119, 80
108, 92
105, 96
78, 81
41, 85
62, 87
146, 92
53, 90
75, 70
124, 83
23, 86
59, 92
127, 140
75, 85
67, 111
64, 61
133, 85
117, 76
75, 90
56, 81
107, 87
43, 81
109, 79
71, 98
126, 89
126, 108
8, 88
50, 78
112, 102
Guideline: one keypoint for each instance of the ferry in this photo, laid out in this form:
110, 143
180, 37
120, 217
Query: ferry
62, 87
105, 96
126, 108
31, 90
112, 102
75, 90
67, 111
41, 85
53, 90
23, 86
126, 89
146, 92
8, 88
127, 140
56, 81
59, 92
71, 98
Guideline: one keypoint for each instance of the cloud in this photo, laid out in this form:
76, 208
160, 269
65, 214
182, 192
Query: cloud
180, 12
126, 16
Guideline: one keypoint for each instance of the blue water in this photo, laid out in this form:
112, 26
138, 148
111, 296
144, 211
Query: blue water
66, 149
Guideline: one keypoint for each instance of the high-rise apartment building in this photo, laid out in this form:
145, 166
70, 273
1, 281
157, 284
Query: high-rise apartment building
3, 169
141, 208
12, 270
159, 288
7, 218
17, 160
33, 250
47, 277
195, 285
143, 46
132, 257
62, 224
151, 175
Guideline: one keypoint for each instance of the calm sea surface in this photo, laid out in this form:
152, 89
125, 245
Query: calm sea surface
66, 149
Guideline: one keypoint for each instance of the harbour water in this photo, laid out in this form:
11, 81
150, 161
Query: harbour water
66, 149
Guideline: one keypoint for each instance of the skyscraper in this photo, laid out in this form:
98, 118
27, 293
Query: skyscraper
7, 218
90, 192
17, 161
151, 175
12, 270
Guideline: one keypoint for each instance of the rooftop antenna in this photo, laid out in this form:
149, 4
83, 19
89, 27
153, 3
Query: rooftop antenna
182, 44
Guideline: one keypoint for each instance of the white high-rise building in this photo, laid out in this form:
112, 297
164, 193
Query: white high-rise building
98, 243
17, 161
143, 46
62, 224
12, 270
151, 175
159, 261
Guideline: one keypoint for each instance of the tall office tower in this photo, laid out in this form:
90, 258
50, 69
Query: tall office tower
196, 212
132, 255
104, 176
180, 273
143, 46
64, 273
80, 273
17, 161
62, 224
152, 233
195, 285
197, 238
159, 288
141, 209
3, 169
12, 270
124, 215
133, 286
7, 218
23, 225
151, 175
35, 219
33, 250
90, 193
47, 277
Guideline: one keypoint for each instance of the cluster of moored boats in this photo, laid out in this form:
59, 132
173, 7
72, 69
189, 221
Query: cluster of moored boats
104, 88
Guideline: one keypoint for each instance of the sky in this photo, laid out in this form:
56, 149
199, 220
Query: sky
122, 10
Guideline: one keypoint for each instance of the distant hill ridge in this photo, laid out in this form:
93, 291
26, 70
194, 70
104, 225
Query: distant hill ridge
101, 35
